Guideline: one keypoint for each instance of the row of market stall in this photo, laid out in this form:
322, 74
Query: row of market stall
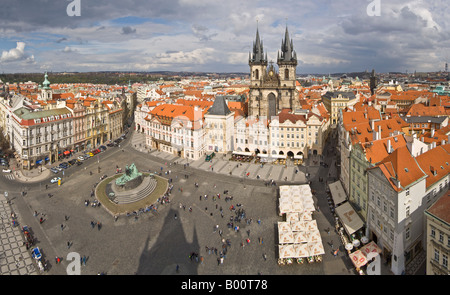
298, 236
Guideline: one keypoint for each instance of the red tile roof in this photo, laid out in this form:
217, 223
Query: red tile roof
401, 166
435, 163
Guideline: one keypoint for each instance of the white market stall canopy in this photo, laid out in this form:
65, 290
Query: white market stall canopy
349, 218
337, 192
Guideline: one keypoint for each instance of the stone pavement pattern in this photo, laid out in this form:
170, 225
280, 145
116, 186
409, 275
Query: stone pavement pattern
15, 259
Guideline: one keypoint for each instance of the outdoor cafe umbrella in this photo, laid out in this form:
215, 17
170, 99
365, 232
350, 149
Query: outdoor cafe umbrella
300, 237
301, 250
370, 248
316, 249
309, 207
284, 226
286, 251
306, 216
297, 207
358, 258
311, 225
292, 216
286, 237
314, 236
349, 246
285, 207
297, 225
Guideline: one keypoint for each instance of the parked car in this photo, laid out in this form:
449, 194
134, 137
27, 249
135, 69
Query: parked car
80, 158
90, 154
54, 170
6, 170
102, 148
55, 179
72, 162
64, 165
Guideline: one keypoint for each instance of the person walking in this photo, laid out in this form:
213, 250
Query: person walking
335, 253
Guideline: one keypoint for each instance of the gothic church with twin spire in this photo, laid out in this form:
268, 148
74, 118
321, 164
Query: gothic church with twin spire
272, 91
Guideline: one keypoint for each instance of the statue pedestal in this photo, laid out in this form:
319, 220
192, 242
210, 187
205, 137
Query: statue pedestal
129, 185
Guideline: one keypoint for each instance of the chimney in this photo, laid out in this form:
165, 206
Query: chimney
389, 147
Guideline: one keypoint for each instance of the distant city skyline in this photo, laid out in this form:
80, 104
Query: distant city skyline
212, 36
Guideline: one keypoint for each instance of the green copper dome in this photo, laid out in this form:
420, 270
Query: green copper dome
46, 83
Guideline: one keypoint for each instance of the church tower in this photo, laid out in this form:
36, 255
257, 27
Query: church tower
257, 62
287, 65
272, 91
46, 91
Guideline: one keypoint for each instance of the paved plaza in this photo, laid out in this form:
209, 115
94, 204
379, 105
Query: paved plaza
163, 241
15, 259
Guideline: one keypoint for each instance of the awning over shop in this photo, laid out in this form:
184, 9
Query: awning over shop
278, 156
337, 192
242, 153
66, 153
349, 218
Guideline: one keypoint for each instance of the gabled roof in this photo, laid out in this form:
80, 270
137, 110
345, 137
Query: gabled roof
401, 166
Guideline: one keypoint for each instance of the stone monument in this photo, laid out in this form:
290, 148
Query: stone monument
131, 179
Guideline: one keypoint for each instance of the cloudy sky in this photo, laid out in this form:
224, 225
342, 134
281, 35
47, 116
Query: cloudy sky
208, 35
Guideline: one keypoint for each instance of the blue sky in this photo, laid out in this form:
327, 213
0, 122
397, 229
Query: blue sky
204, 35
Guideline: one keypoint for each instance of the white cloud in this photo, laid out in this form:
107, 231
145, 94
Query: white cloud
16, 54
197, 56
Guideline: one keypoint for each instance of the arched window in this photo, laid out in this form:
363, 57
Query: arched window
256, 74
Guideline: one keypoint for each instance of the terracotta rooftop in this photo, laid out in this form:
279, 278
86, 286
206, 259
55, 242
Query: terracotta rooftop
441, 208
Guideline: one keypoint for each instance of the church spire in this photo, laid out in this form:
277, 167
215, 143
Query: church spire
258, 50
287, 49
